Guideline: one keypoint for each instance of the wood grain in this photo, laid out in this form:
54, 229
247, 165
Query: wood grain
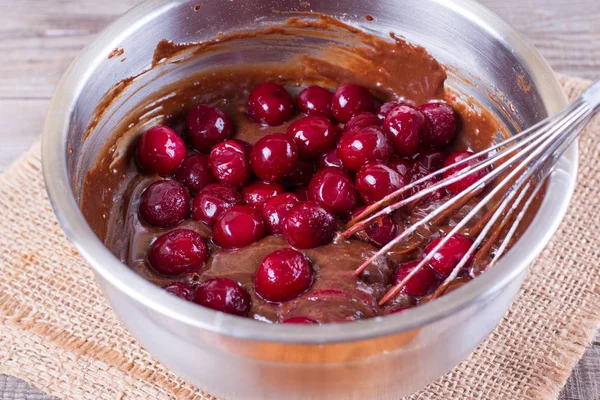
39, 39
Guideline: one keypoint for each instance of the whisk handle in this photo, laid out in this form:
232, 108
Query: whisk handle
592, 96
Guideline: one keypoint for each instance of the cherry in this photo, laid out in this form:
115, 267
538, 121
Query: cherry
230, 164
238, 227
424, 164
448, 257
358, 147
382, 231
420, 284
164, 204
177, 252
270, 104
301, 175
385, 108
256, 194
180, 289
223, 295
313, 136
195, 173
403, 124
309, 225
302, 193
401, 165
329, 159
375, 181
160, 150
276, 209
469, 179
440, 124
300, 320
315, 100
349, 100
208, 205
362, 120
333, 189
273, 157
207, 126
283, 275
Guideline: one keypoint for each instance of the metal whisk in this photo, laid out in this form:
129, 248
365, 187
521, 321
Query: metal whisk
519, 166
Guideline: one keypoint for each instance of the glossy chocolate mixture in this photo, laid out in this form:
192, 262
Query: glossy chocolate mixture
392, 69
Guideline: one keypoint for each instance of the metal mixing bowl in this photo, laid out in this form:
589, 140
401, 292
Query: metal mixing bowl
241, 358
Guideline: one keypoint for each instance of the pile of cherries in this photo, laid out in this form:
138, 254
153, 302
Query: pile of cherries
345, 153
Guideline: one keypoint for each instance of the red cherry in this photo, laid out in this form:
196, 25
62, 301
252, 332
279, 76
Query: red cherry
301, 175
276, 209
300, 320
180, 289
302, 193
420, 284
270, 104
329, 159
178, 252
314, 100
309, 225
313, 136
160, 150
239, 227
273, 157
208, 205
207, 126
349, 100
424, 164
469, 179
195, 173
256, 194
230, 164
375, 181
440, 126
223, 295
283, 275
362, 120
382, 231
403, 125
358, 147
385, 108
333, 189
448, 257
164, 204
401, 166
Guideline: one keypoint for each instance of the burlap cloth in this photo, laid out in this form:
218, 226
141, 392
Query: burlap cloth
58, 333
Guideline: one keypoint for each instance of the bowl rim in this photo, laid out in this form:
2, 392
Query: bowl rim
104, 263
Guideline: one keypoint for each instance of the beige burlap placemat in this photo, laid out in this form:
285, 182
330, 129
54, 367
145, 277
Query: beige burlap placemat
58, 333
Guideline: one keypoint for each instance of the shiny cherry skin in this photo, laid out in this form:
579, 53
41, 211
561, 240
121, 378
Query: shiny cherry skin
230, 163
350, 99
238, 227
315, 100
308, 225
213, 200
256, 194
270, 104
225, 295
301, 192
334, 189
301, 175
448, 257
195, 173
469, 179
164, 204
276, 209
160, 150
207, 126
382, 231
425, 163
273, 157
375, 181
402, 166
403, 125
313, 135
329, 159
440, 125
384, 109
358, 147
283, 275
180, 289
422, 283
300, 320
362, 120
177, 252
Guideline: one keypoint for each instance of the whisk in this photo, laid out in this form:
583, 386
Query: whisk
519, 166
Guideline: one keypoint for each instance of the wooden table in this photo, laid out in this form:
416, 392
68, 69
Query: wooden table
40, 38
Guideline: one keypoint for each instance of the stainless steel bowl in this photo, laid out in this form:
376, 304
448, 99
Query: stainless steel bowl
241, 358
